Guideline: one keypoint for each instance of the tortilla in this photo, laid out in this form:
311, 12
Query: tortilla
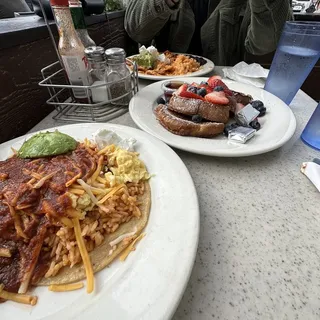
100, 257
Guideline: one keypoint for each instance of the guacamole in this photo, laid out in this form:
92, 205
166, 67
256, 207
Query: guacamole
145, 60
45, 144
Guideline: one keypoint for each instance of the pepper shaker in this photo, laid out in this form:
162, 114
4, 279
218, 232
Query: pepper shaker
118, 76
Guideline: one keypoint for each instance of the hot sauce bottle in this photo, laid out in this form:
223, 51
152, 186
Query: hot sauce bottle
71, 50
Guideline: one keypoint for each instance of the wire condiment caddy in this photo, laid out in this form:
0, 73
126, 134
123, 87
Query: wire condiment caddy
64, 95
68, 109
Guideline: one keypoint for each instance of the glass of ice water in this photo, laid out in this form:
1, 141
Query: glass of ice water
297, 53
311, 133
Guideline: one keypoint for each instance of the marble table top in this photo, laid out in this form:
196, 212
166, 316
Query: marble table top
259, 248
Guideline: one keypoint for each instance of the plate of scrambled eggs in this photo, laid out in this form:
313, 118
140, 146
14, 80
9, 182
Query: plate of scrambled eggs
137, 287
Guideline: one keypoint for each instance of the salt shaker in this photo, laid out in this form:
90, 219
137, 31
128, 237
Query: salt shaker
118, 76
97, 68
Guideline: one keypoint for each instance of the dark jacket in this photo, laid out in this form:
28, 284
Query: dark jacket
232, 26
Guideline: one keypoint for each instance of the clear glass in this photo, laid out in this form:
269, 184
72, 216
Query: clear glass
97, 70
69, 42
119, 82
297, 53
79, 23
311, 133
85, 38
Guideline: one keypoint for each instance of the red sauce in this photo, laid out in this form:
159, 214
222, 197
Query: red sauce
43, 206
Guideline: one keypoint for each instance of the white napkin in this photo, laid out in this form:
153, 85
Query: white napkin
312, 171
252, 74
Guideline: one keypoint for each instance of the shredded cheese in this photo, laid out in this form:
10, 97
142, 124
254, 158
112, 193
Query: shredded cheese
32, 180
130, 248
67, 222
66, 287
102, 180
103, 151
73, 213
17, 221
98, 170
120, 238
76, 191
111, 193
23, 206
94, 190
40, 183
98, 185
87, 189
17, 297
5, 252
76, 186
73, 180
97, 191
36, 175
84, 255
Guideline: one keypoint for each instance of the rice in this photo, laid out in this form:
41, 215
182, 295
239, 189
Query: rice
61, 242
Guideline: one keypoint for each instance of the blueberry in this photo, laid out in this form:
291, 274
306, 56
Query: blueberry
160, 100
257, 104
255, 124
218, 88
263, 112
204, 82
229, 127
196, 118
202, 92
192, 89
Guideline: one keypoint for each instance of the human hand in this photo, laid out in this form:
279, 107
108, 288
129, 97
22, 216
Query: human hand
172, 3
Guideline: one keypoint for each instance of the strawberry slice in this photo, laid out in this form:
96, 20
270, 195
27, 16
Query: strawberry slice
218, 82
183, 92
239, 107
217, 97
191, 95
208, 88
213, 78
184, 87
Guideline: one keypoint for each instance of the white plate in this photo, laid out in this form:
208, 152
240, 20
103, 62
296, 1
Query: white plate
205, 69
277, 126
150, 283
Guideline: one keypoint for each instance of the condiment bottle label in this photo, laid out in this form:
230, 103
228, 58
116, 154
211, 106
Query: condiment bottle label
77, 71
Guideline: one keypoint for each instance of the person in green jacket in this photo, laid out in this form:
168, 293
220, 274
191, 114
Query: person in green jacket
221, 30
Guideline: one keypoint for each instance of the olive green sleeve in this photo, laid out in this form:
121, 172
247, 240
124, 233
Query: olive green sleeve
267, 20
145, 18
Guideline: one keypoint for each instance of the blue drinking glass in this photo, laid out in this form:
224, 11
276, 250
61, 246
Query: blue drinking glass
297, 53
311, 133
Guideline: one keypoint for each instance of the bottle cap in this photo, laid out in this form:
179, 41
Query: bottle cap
94, 53
59, 2
75, 4
115, 55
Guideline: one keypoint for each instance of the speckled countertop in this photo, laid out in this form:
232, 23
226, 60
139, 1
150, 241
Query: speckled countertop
259, 247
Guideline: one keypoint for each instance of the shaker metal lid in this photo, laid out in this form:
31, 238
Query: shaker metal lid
94, 53
115, 55
115, 51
